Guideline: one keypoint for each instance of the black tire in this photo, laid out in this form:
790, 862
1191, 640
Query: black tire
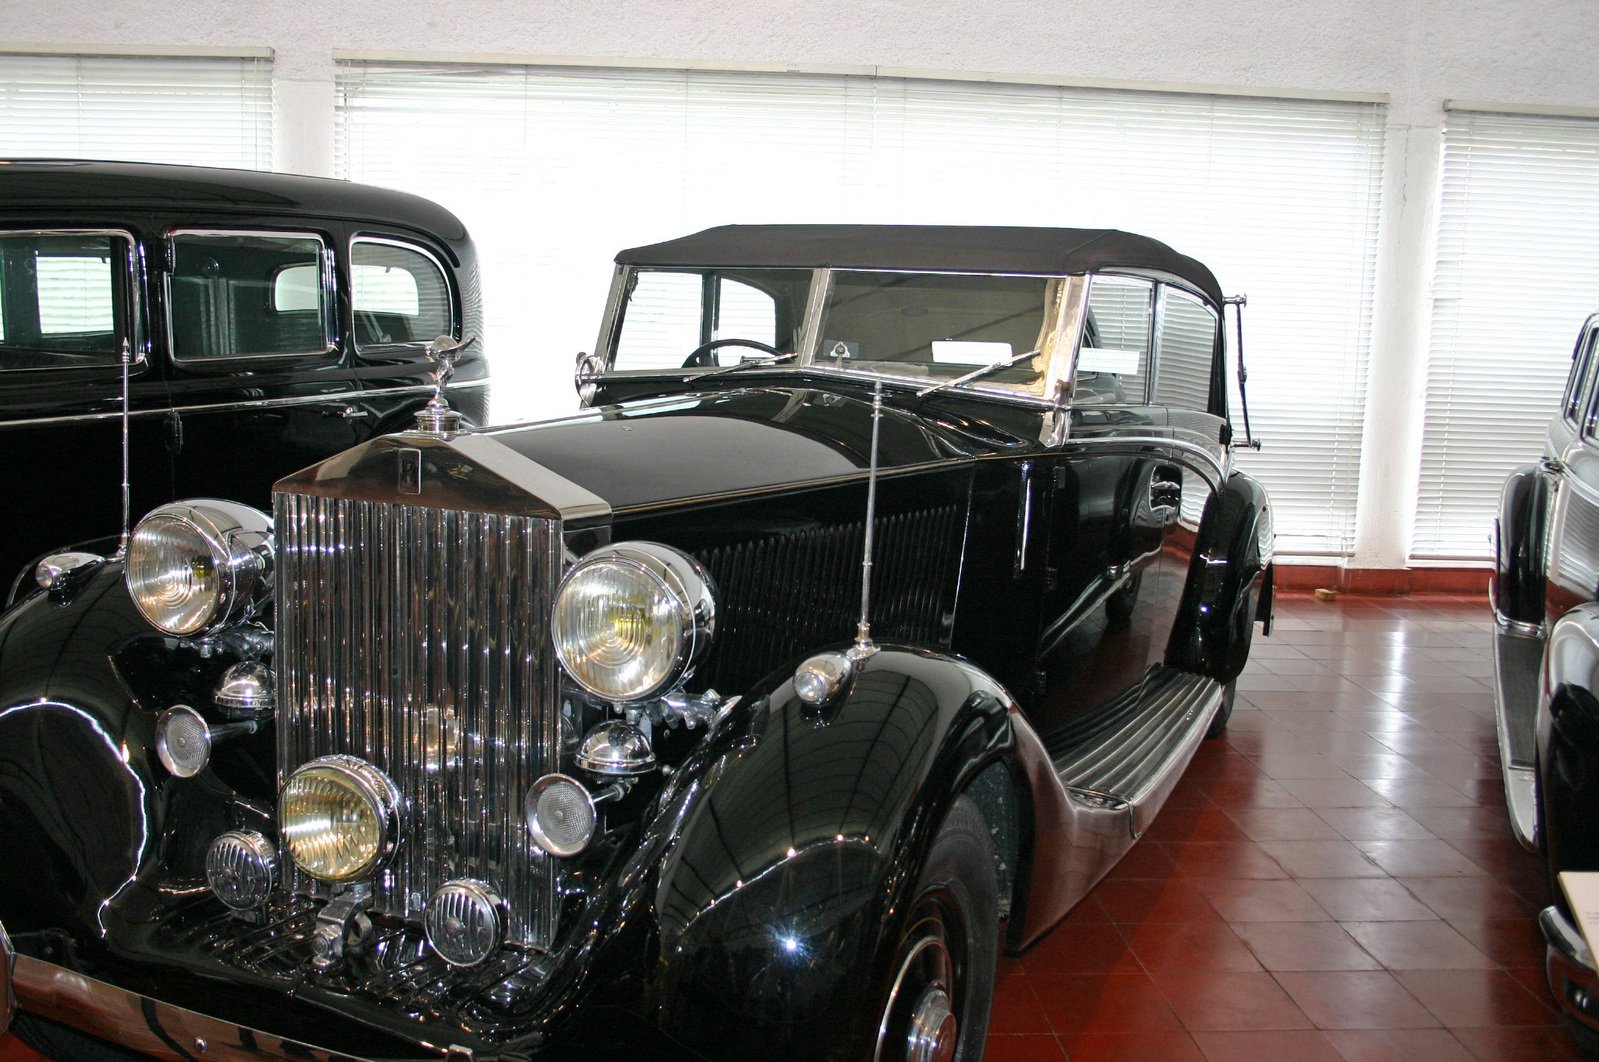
952, 936
1218, 722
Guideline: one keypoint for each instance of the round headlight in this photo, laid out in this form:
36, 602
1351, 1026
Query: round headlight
629, 620
340, 818
193, 566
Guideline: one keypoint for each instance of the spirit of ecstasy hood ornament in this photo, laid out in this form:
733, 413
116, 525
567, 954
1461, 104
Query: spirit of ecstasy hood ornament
437, 416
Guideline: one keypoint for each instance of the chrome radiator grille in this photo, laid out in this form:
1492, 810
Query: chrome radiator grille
416, 639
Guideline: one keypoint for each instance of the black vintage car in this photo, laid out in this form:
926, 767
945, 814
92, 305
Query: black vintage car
268, 322
853, 631
1546, 657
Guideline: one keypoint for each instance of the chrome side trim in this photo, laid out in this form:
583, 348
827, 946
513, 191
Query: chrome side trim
264, 403
1518, 662
150, 1026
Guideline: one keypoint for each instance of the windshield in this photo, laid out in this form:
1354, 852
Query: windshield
941, 326
974, 329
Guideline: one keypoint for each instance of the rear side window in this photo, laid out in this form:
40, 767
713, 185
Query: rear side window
402, 295
1187, 347
63, 299
248, 295
1113, 361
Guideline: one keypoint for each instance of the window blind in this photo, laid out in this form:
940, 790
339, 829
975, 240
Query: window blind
202, 111
555, 169
1517, 273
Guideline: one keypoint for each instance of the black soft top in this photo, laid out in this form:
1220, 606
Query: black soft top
82, 184
942, 248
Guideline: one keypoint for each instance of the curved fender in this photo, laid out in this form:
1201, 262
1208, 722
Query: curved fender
799, 842
1568, 742
1232, 557
85, 808
1519, 532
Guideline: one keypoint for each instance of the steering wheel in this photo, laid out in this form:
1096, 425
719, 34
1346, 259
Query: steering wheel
704, 355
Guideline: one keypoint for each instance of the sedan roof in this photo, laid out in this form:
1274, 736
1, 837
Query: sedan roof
939, 248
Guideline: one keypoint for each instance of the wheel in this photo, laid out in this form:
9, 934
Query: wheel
701, 356
1218, 722
1243, 633
945, 963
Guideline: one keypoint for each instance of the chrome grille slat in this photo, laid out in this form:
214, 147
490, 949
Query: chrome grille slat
386, 611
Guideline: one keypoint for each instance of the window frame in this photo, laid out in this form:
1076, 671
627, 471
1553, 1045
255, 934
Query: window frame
133, 332
329, 291
1218, 347
452, 295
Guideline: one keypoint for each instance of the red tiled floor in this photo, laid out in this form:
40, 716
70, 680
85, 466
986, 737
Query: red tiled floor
1334, 878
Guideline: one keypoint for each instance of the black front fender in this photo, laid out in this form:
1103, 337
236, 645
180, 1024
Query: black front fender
800, 840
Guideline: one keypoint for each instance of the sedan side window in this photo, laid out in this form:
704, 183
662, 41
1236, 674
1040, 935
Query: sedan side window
1187, 349
1113, 361
246, 295
402, 295
63, 299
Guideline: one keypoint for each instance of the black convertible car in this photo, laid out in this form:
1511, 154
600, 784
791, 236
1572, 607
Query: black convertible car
860, 622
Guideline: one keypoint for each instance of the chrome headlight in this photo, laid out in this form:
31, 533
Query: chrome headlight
340, 818
194, 566
630, 620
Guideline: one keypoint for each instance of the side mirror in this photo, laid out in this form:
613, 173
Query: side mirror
585, 376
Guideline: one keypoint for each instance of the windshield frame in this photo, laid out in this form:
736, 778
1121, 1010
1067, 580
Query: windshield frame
1063, 331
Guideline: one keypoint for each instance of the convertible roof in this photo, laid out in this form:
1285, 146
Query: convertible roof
945, 248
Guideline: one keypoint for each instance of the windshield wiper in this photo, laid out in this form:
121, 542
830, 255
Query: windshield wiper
977, 374
746, 364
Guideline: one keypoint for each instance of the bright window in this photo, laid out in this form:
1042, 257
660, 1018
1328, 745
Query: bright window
1278, 196
1517, 274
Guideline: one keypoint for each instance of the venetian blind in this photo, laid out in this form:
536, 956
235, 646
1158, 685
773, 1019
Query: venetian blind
203, 111
555, 169
1517, 273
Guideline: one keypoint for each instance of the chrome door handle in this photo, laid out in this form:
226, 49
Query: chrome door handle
348, 413
1165, 493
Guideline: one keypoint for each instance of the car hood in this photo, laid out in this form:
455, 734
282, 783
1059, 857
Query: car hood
657, 452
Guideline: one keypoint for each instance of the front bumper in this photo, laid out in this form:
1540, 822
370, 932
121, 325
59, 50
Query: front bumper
147, 1025
1569, 964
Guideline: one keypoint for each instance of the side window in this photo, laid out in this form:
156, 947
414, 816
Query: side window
1187, 348
63, 299
244, 295
1113, 361
665, 318
1581, 374
402, 294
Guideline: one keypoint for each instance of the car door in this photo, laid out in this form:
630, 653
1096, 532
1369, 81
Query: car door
1110, 491
72, 297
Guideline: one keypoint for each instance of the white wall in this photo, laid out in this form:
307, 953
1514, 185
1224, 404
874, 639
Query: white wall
1417, 52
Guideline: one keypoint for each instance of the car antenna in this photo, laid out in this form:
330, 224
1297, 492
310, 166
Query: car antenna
127, 487
863, 647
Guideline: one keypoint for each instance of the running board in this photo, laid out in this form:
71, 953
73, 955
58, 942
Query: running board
1518, 660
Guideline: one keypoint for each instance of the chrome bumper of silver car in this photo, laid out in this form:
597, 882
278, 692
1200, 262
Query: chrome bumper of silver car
147, 1025
1518, 657
1569, 964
